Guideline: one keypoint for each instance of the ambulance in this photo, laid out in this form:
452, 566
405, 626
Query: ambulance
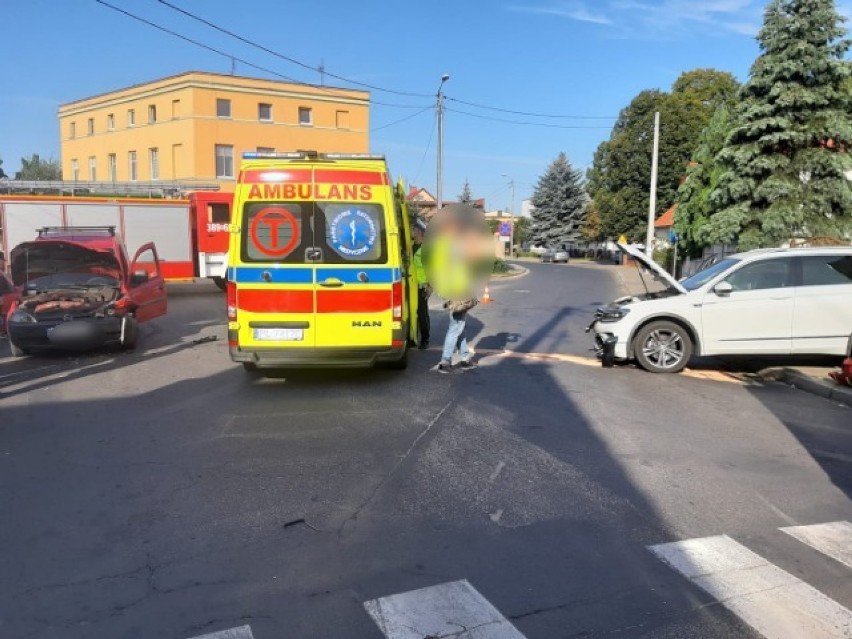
319, 263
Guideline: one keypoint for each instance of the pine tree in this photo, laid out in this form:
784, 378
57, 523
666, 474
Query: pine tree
559, 204
466, 197
620, 177
702, 177
786, 158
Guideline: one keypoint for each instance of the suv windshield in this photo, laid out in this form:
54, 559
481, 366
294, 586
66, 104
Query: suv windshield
702, 277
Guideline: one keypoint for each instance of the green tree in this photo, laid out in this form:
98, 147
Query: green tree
785, 160
620, 177
521, 231
466, 197
2, 173
591, 229
702, 177
559, 204
35, 168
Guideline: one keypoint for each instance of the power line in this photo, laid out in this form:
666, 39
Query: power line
407, 117
531, 114
541, 124
425, 151
234, 58
321, 69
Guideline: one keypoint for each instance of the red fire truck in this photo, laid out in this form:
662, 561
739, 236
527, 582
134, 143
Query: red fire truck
190, 231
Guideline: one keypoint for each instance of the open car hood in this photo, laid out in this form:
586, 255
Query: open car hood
31, 260
650, 265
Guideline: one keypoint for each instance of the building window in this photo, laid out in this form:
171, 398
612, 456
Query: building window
306, 116
175, 109
131, 117
112, 167
343, 119
152, 113
90, 126
131, 166
110, 122
154, 160
223, 108
75, 170
93, 169
224, 161
264, 112
265, 149
72, 130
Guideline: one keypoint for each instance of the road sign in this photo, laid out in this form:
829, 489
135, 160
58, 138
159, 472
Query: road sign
506, 229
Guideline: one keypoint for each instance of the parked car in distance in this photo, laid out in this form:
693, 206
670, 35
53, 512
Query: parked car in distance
764, 302
77, 290
560, 257
547, 255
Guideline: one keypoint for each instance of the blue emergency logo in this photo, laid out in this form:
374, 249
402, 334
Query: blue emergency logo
353, 232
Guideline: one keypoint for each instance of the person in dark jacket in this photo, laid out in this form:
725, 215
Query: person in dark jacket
424, 291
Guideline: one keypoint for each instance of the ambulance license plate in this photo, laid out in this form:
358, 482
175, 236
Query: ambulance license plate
279, 334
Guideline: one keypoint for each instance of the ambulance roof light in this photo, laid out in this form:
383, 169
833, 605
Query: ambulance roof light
354, 156
308, 155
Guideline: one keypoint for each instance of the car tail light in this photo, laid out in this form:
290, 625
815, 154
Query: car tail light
232, 301
396, 298
122, 305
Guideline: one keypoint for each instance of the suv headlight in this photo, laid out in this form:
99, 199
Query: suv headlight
22, 317
612, 313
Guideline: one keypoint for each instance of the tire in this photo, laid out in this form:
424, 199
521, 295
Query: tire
221, 282
662, 347
131, 336
17, 351
401, 364
250, 367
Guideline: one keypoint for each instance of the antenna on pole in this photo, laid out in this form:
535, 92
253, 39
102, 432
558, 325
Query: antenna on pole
321, 69
233, 66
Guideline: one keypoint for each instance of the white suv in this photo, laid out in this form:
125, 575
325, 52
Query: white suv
765, 302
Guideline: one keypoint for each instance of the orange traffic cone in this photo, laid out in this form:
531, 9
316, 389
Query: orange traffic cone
486, 296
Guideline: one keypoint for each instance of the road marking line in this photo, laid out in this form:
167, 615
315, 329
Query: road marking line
500, 466
833, 539
770, 600
454, 609
243, 632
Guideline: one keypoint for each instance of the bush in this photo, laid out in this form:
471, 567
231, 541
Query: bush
500, 266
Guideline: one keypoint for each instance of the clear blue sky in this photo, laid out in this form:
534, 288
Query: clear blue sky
584, 58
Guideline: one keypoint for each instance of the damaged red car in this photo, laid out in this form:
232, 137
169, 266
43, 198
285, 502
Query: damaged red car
77, 290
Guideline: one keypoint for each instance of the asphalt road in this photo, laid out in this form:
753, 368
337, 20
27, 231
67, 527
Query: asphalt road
168, 494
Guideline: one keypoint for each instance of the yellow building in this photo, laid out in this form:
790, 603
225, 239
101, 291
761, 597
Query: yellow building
196, 126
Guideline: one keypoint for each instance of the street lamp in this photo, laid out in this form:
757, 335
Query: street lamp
512, 216
440, 96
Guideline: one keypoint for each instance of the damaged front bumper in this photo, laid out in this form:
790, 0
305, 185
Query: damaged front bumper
71, 335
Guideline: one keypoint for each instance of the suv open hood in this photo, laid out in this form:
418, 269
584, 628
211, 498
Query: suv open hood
30, 260
652, 266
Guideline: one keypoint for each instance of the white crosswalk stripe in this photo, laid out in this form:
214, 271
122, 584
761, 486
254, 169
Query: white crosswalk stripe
775, 603
242, 632
833, 539
454, 609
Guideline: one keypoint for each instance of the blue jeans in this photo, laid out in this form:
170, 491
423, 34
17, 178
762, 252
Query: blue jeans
455, 338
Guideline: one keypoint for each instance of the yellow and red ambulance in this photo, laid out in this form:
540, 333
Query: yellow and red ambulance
319, 263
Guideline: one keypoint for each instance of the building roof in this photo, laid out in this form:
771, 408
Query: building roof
189, 76
667, 219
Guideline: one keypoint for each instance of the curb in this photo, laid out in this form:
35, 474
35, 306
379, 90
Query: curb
826, 389
522, 271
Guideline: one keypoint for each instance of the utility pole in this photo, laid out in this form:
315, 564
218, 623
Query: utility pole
511, 217
652, 205
440, 189
321, 69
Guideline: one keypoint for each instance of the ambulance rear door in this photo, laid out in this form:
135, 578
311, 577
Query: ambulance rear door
274, 274
358, 282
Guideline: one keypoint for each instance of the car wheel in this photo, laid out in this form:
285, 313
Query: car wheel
662, 347
17, 351
250, 367
401, 364
131, 335
221, 282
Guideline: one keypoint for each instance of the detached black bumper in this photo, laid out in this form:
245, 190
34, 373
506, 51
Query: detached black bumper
74, 335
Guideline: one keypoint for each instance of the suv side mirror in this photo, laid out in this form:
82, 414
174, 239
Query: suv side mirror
139, 277
723, 289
